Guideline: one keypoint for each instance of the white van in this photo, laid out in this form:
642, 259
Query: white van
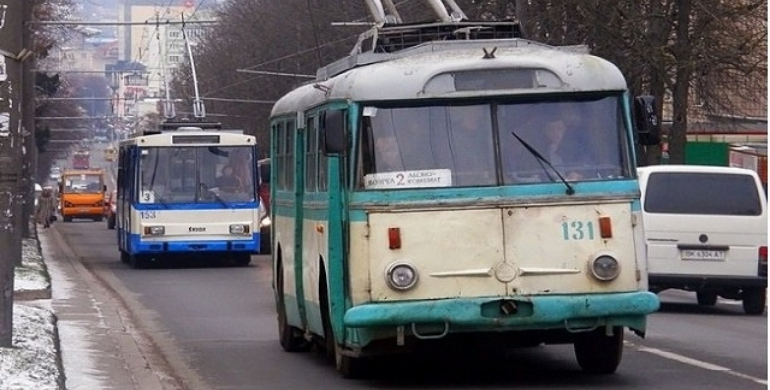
706, 231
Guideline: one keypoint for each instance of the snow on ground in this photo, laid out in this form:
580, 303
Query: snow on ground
33, 361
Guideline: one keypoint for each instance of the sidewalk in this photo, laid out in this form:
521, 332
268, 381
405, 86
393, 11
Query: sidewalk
95, 343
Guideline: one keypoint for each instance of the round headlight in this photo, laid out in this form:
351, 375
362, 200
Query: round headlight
605, 268
401, 276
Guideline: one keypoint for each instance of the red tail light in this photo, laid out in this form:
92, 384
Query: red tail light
394, 238
762, 255
605, 227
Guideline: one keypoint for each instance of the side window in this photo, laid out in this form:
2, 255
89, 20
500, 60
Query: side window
280, 154
322, 163
311, 156
288, 166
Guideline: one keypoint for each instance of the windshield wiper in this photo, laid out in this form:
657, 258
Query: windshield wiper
161, 200
570, 189
214, 193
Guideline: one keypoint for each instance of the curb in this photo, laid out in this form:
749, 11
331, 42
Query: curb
34, 272
31, 295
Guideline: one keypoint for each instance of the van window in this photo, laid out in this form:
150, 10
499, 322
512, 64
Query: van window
702, 193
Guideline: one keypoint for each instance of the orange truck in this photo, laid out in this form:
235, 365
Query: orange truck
81, 194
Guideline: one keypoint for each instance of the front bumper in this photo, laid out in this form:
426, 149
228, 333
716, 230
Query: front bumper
532, 312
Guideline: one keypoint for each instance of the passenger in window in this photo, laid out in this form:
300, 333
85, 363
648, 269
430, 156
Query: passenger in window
387, 154
228, 182
471, 145
560, 147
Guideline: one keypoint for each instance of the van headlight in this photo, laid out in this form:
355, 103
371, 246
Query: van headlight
604, 267
401, 276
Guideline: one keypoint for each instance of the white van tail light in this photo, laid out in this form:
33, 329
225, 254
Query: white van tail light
762, 260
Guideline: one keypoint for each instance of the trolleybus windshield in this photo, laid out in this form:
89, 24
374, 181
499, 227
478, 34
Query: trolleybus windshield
193, 174
484, 144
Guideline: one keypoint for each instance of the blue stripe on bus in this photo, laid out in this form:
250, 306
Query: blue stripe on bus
535, 312
192, 246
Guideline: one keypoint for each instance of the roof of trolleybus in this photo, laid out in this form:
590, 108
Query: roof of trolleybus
431, 70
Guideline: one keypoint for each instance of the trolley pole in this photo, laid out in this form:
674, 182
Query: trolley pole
11, 56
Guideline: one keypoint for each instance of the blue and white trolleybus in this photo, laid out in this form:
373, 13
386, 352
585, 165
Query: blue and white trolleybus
188, 190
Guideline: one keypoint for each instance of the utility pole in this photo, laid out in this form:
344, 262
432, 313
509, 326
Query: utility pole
12, 53
29, 157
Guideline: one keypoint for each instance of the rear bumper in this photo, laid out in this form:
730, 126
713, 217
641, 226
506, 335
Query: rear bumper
534, 312
704, 282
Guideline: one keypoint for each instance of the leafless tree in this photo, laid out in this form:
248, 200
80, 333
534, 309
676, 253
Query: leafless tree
46, 37
677, 50
702, 58
243, 64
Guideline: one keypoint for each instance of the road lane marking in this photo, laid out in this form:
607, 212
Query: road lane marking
698, 363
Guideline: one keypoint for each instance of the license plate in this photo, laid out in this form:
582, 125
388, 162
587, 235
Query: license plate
702, 254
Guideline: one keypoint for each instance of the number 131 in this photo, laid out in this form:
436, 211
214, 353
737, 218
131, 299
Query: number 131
577, 230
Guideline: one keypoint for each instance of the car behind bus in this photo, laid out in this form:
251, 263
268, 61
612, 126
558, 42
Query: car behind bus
706, 231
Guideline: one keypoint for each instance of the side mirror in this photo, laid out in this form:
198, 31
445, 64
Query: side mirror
646, 120
333, 132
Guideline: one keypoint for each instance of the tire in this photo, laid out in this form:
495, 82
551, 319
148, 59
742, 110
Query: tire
137, 261
349, 367
706, 298
99, 218
264, 243
124, 257
290, 337
598, 353
754, 300
111, 222
67, 219
242, 260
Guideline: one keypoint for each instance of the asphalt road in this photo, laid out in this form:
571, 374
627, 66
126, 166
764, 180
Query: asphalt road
215, 326
212, 326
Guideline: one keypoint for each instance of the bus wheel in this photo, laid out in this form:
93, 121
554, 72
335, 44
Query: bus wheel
706, 298
137, 261
291, 338
754, 300
242, 260
598, 353
350, 367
